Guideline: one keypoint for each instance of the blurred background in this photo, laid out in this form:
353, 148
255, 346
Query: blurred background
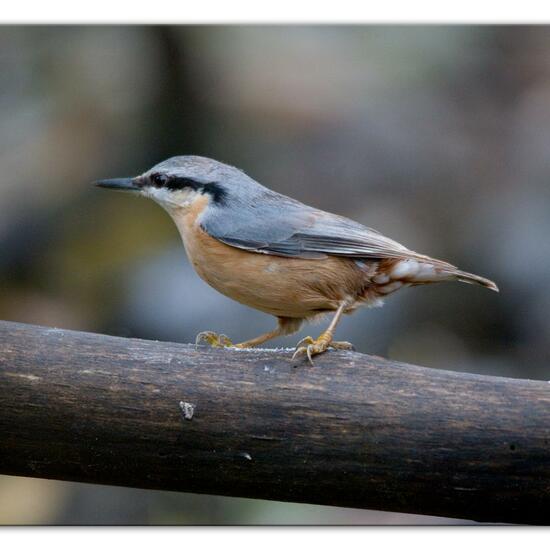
436, 136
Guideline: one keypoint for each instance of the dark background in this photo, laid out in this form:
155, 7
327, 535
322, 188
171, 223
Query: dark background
436, 136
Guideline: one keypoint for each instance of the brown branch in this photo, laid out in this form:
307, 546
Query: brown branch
353, 430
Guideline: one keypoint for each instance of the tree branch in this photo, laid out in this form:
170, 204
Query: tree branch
353, 430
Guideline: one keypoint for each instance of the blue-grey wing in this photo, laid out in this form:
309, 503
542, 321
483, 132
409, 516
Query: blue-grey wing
279, 225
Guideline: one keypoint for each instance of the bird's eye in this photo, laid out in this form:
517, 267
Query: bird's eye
159, 180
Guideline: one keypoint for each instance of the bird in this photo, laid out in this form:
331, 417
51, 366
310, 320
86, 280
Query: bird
273, 253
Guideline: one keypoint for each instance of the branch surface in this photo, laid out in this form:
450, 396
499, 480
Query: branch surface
354, 430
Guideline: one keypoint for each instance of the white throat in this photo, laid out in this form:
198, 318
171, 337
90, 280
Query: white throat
172, 200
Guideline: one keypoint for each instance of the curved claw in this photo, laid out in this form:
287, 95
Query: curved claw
315, 347
225, 341
306, 340
302, 349
204, 335
213, 339
343, 345
308, 350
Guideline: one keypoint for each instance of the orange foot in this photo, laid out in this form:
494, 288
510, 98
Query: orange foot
310, 347
214, 340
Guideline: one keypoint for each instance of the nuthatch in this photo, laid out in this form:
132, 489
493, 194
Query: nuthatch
280, 256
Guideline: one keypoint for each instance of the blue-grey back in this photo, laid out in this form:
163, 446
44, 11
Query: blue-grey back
258, 219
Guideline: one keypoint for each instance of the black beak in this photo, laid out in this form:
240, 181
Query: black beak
120, 184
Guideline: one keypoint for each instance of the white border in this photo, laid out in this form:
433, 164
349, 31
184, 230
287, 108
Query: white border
282, 11
234, 11
452, 538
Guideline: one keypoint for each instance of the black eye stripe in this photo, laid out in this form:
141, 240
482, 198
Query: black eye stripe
174, 183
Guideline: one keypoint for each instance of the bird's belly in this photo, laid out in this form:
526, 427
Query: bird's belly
287, 287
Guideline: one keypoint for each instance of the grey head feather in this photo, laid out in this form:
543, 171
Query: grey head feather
257, 219
203, 169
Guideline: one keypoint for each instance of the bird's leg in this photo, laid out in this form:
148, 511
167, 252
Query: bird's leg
286, 325
310, 347
260, 339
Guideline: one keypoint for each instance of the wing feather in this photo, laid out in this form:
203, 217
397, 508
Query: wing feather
278, 225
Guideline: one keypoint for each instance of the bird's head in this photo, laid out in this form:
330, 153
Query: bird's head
177, 183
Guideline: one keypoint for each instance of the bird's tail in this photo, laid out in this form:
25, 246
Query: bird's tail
420, 269
472, 279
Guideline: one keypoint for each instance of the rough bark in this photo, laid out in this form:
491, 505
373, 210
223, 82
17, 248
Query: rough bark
353, 430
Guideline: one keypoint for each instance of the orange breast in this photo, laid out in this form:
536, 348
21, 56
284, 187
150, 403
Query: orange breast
285, 287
